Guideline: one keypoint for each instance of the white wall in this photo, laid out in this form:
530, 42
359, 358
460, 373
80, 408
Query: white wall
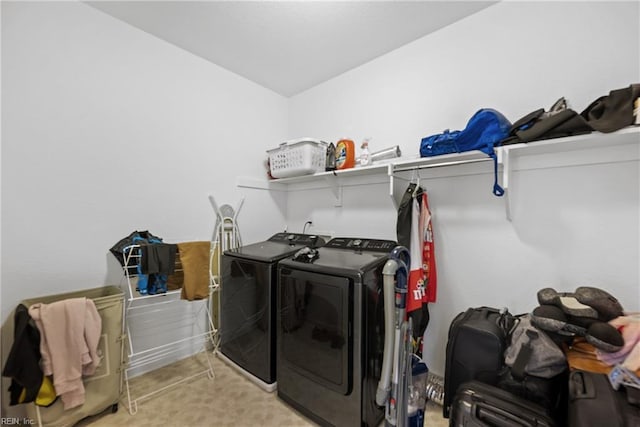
106, 130
571, 226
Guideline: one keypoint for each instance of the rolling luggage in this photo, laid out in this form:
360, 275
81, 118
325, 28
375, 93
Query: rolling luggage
477, 404
476, 344
593, 402
103, 388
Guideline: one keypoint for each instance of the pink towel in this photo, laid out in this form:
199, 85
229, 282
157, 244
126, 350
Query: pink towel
69, 334
632, 362
629, 327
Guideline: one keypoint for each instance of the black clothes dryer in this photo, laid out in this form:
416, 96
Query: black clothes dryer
248, 303
331, 331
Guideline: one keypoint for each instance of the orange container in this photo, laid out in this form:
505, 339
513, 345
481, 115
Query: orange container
345, 154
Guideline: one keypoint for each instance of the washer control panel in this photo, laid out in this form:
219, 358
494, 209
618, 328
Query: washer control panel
297, 239
360, 244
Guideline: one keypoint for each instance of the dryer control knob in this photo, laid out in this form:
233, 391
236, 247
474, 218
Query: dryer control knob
357, 242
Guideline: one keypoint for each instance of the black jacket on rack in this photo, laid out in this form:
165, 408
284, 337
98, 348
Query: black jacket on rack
118, 249
28, 383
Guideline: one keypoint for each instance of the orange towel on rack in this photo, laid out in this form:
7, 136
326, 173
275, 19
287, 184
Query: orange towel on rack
176, 279
194, 257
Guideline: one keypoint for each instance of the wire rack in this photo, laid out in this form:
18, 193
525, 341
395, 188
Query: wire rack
184, 328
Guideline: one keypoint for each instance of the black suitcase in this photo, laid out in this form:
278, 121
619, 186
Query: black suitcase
477, 404
476, 343
594, 402
550, 393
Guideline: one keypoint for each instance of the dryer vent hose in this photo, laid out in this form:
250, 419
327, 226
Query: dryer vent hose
435, 388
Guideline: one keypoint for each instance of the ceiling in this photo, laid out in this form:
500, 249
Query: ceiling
289, 46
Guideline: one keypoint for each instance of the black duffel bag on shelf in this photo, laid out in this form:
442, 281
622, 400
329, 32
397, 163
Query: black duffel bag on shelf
606, 114
560, 121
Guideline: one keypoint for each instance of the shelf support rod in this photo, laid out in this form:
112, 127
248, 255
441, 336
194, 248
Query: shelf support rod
392, 169
439, 165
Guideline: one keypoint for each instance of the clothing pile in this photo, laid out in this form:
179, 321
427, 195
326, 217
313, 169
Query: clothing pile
146, 256
629, 355
161, 267
55, 346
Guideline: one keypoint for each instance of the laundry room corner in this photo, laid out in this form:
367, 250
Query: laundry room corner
319, 213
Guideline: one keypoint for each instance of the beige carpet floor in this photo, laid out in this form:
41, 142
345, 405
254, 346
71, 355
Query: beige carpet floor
229, 399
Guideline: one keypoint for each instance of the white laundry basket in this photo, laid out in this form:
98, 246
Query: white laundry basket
299, 157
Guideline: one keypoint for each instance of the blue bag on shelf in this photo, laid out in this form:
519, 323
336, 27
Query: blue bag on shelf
484, 131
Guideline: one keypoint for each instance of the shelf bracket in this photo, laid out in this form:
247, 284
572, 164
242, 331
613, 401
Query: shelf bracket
504, 159
392, 192
336, 188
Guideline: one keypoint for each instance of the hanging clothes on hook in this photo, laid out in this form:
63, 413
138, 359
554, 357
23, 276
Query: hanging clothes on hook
414, 230
428, 252
417, 310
